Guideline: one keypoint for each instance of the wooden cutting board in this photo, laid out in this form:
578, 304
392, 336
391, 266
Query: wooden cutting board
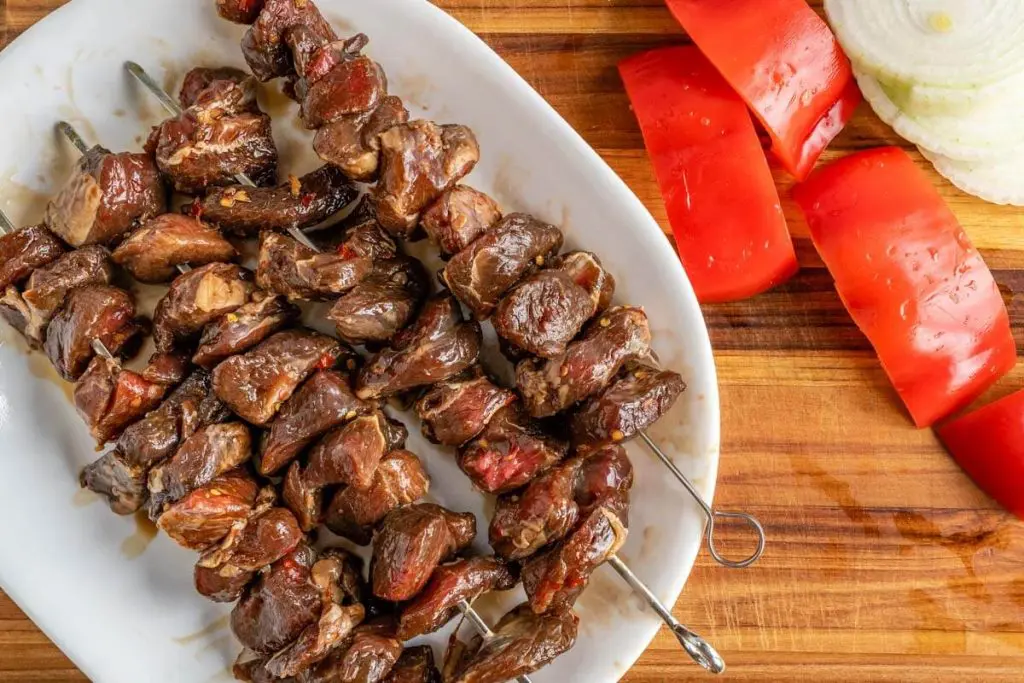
884, 562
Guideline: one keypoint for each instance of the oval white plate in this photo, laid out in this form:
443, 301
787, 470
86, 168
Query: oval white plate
72, 565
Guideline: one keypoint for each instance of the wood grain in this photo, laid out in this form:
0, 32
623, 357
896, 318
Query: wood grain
885, 563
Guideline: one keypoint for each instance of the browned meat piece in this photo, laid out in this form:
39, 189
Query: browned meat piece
399, 480
292, 269
510, 452
211, 451
106, 196
153, 252
17, 314
352, 143
554, 502
616, 337
323, 402
543, 313
317, 641
456, 411
367, 657
302, 497
524, 642
439, 345
450, 584
109, 398
382, 304
419, 161
207, 514
480, 274
586, 270
196, 299
95, 313
363, 235
22, 251
555, 579
226, 89
411, 542
337, 83
350, 454
240, 11
264, 44
339, 576
116, 478
458, 217
49, 285
279, 604
257, 383
416, 665
302, 203
633, 403
243, 328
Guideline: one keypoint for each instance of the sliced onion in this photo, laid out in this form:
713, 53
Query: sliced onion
948, 43
999, 182
987, 132
931, 100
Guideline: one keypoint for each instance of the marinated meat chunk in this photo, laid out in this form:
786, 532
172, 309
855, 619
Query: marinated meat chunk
207, 514
257, 383
382, 304
279, 604
363, 235
264, 44
339, 576
419, 161
337, 84
243, 328
458, 217
350, 454
630, 405
398, 480
116, 478
153, 252
322, 403
367, 657
555, 579
439, 345
456, 411
91, 314
303, 498
211, 451
524, 642
450, 584
618, 336
480, 274
225, 90
299, 203
240, 11
352, 143
292, 269
105, 197
411, 542
22, 251
109, 397
335, 625
586, 270
511, 451
48, 286
197, 298
543, 313
416, 665
554, 502
17, 314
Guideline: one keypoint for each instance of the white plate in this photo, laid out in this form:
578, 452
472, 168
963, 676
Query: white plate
74, 567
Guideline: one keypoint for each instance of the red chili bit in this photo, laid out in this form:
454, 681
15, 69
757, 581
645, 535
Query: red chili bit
307, 199
195, 209
326, 361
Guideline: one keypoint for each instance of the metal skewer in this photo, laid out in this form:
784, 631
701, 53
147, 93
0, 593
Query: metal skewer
480, 625
175, 109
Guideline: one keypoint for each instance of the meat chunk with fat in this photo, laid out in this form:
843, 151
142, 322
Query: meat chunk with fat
153, 252
455, 411
196, 299
380, 306
264, 46
350, 454
244, 328
420, 160
458, 217
300, 273
119, 480
411, 542
416, 665
255, 384
90, 315
543, 313
586, 270
337, 83
16, 313
224, 90
207, 514
588, 365
634, 402
240, 11
366, 657
22, 251
437, 346
482, 273
352, 143
49, 285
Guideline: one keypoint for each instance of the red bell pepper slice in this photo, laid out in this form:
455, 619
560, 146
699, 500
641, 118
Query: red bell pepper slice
718, 190
989, 445
785, 63
910, 278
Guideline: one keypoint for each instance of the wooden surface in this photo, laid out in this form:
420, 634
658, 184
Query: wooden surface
884, 562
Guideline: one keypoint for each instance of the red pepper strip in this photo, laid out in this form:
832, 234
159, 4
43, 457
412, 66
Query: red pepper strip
785, 63
989, 445
910, 278
718, 190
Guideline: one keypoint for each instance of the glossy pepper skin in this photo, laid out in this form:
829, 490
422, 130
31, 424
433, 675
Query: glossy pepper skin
785, 63
910, 278
718, 190
989, 445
